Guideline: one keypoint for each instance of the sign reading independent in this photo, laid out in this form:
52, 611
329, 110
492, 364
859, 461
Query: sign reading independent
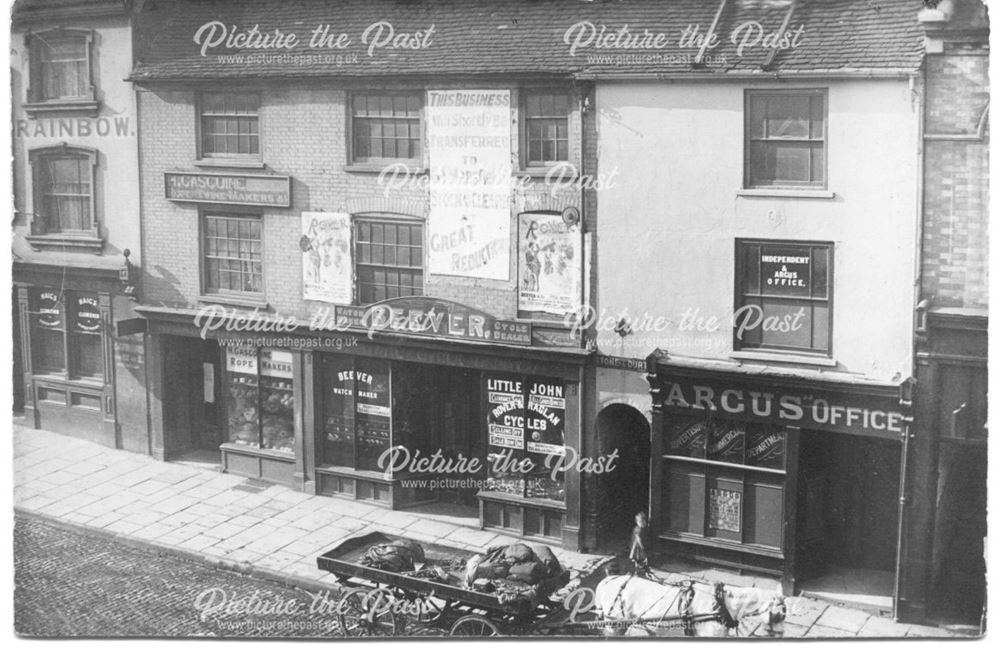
213, 188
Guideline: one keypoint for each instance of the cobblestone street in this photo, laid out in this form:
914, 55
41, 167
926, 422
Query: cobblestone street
73, 584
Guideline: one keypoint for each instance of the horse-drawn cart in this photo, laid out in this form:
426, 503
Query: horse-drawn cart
380, 601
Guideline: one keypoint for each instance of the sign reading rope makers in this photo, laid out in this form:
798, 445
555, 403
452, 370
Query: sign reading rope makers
423, 316
469, 146
213, 188
851, 413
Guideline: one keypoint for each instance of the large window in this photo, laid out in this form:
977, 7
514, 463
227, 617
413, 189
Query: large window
233, 254
784, 296
786, 139
230, 125
385, 126
546, 123
60, 66
260, 398
724, 480
63, 190
357, 412
67, 338
390, 259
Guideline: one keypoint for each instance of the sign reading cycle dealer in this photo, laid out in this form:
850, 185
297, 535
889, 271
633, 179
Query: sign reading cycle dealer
821, 411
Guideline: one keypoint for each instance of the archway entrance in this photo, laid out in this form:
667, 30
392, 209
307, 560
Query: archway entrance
624, 491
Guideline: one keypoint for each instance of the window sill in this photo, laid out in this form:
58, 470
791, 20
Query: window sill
539, 172
782, 357
257, 451
817, 194
504, 498
88, 108
412, 167
230, 300
80, 242
229, 163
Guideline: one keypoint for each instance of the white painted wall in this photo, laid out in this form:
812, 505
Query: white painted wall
666, 227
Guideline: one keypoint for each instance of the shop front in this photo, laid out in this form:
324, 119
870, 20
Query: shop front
397, 415
799, 478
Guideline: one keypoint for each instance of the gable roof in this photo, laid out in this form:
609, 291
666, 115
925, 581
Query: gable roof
478, 37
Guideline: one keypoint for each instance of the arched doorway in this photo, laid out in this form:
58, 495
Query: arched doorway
624, 491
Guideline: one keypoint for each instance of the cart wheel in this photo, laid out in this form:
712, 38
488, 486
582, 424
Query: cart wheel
474, 626
364, 612
430, 610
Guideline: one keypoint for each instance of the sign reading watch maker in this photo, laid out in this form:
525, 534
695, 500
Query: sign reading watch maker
215, 188
423, 316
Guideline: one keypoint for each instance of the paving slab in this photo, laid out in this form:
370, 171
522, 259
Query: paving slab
836, 617
883, 628
819, 631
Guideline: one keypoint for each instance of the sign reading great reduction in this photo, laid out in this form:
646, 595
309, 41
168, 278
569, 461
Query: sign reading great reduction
468, 137
211, 188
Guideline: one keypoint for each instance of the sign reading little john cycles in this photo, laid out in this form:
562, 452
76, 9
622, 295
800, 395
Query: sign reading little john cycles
215, 188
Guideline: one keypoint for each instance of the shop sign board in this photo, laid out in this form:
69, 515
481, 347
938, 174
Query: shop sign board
241, 359
550, 264
327, 266
276, 363
786, 271
215, 188
424, 316
839, 411
620, 363
545, 417
469, 146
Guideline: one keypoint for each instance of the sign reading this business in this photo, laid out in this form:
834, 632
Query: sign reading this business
469, 150
550, 264
424, 316
214, 188
327, 267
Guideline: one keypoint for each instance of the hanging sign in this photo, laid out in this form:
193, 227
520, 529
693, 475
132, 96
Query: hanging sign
550, 264
469, 151
327, 267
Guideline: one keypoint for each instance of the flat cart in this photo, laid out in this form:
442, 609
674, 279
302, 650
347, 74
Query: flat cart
380, 601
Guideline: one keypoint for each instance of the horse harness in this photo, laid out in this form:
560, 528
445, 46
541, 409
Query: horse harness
683, 603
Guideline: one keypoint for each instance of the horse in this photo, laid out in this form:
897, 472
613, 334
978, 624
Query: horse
644, 607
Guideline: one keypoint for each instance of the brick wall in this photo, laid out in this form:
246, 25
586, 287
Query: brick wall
956, 174
303, 135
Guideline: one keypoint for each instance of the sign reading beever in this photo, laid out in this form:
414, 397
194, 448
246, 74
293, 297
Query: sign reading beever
423, 316
850, 413
212, 188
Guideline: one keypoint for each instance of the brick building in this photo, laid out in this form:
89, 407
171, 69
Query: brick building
947, 501
399, 187
76, 221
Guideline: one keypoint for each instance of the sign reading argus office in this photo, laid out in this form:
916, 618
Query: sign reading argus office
214, 188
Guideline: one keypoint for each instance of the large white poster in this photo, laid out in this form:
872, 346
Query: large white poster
550, 264
468, 136
327, 270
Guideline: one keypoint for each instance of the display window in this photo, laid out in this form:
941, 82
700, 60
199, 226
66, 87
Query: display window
357, 413
260, 399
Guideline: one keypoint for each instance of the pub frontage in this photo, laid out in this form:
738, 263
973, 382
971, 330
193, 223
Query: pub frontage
796, 477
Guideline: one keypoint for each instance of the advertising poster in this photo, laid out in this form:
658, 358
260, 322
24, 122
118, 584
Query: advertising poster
725, 508
327, 267
546, 417
550, 264
469, 145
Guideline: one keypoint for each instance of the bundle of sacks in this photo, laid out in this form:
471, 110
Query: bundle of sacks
518, 573
400, 555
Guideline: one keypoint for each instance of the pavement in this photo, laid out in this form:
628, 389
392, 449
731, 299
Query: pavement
276, 533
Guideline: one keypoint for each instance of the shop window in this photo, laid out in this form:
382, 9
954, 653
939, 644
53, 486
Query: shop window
357, 414
784, 296
230, 125
786, 139
385, 127
64, 191
67, 338
526, 422
389, 259
546, 128
260, 404
61, 64
724, 480
233, 254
